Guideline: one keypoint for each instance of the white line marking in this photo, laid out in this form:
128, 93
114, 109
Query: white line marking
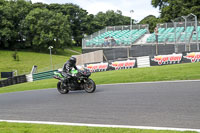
101, 125
153, 82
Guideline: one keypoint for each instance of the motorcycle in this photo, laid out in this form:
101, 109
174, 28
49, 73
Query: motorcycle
79, 80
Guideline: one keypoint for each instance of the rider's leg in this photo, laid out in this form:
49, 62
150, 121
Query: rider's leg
65, 78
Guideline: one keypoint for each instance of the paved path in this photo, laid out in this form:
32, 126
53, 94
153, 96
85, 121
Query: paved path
74, 51
166, 104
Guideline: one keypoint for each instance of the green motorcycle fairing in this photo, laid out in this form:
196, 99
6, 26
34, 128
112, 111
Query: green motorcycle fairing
73, 71
58, 74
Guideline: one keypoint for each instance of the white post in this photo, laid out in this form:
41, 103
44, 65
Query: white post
131, 24
175, 45
50, 47
195, 29
185, 18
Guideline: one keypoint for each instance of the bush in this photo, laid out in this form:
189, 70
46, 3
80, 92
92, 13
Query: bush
15, 56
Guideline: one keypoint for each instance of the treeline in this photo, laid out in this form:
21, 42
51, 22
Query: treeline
171, 10
24, 25
36, 26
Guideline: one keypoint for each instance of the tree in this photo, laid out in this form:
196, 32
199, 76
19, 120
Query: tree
171, 9
12, 14
44, 28
39, 5
151, 20
77, 17
111, 18
5, 24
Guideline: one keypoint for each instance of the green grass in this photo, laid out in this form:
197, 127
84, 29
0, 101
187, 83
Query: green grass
43, 128
78, 49
41, 84
187, 71
28, 59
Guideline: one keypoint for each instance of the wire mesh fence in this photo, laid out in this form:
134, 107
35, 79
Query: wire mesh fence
184, 30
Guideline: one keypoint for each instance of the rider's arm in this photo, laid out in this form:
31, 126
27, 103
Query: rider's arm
75, 68
67, 68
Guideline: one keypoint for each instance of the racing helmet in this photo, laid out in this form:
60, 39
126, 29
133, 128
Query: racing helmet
72, 61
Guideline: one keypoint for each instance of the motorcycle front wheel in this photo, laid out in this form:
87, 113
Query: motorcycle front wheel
61, 89
90, 86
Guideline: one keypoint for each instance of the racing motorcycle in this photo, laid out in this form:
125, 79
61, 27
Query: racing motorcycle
79, 80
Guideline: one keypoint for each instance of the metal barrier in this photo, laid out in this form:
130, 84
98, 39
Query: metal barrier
43, 75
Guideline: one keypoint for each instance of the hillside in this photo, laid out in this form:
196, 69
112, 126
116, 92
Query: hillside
28, 59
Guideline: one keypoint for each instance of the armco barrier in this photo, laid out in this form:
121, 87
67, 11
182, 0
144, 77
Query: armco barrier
13, 80
43, 75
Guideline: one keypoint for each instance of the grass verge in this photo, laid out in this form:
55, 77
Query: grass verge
28, 59
6, 127
189, 71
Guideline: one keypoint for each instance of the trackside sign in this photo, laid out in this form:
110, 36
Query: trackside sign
167, 59
193, 56
155, 60
115, 65
123, 64
97, 67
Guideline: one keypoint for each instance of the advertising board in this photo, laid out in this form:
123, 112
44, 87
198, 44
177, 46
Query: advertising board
167, 59
123, 64
97, 67
193, 56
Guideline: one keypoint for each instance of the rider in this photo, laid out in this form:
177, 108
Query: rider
68, 66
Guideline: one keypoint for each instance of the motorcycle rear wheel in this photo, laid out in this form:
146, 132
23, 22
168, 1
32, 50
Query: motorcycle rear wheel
61, 89
90, 86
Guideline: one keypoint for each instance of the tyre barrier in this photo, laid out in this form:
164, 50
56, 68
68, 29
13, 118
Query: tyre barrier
13, 80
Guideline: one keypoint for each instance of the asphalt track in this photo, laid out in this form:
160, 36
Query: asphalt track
163, 104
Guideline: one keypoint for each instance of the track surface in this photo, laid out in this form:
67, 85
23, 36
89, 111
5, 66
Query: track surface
165, 104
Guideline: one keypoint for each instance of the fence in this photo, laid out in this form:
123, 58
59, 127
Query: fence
183, 35
43, 75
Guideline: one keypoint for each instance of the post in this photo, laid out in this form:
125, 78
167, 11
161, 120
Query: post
196, 32
195, 29
185, 18
185, 29
175, 38
197, 38
50, 47
175, 45
156, 34
131, 24
128, 52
